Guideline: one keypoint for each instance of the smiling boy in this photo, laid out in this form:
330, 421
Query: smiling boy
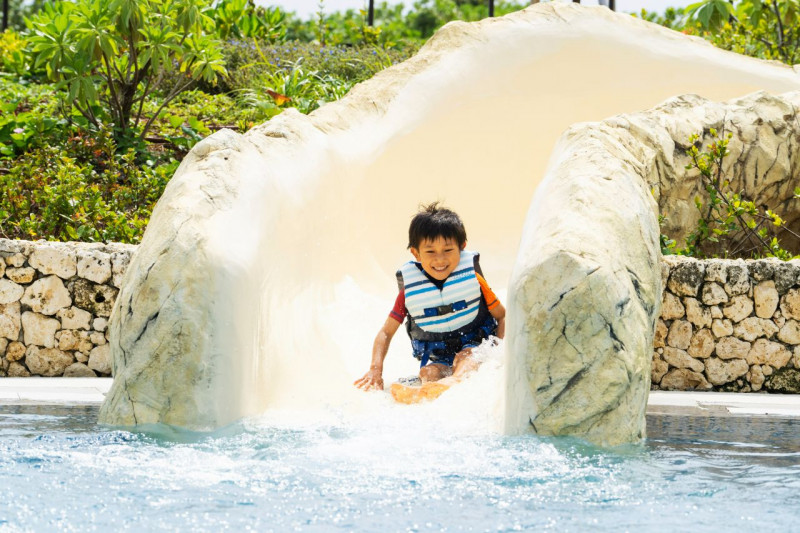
448, 306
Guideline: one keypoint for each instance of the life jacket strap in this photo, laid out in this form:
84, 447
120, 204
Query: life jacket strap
441, 310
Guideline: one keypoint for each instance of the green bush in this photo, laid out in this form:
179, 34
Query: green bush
730, 225
110, 56
242, 19
84, 191
248, 60
12, 53
768, 29
29, 117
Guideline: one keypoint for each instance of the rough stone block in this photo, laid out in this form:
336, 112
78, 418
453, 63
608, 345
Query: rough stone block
16, 260
20, 275
720, 372
79, 370
74, 318
97, 338
68, 339
790, 332
94, 266
702, 345
732, 348
100, 359
766, 299
738, 279
47, 361
17, 370
790, 304
57, 260
716, 271
119, 264
739, 308
15, 351
784, 381
10, 292
765, 352
684, 379
97, 299
697, 313
785, 276
722, 328
761, 270
658, 369
39, 330
680, 359
714, 294
686, 278
10, 321
47, 296
671, 307
680, 334
756, 377
753, 327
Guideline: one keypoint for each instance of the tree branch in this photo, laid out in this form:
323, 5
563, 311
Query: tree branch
175, 92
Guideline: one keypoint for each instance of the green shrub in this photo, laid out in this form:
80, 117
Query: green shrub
29, 117
12, 53
248, 60
769, 29
109, 56
730, 225
242, 19
85, 191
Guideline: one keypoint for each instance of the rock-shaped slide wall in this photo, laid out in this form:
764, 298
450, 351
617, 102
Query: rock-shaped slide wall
586, 292
240, 297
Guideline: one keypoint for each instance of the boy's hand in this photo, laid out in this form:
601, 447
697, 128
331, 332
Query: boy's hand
372, 380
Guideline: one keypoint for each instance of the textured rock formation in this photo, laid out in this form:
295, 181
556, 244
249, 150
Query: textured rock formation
585, 294
327, 199
585, 306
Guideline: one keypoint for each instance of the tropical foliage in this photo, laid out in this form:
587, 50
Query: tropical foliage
101, 99
769, 29
729, 224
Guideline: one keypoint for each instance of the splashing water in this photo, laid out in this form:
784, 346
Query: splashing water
62, 472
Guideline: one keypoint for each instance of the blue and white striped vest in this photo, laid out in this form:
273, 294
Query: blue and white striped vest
454, 310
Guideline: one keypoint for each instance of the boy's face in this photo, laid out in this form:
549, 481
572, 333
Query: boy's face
439, 257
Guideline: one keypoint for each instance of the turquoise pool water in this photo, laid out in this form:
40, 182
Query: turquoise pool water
60, 471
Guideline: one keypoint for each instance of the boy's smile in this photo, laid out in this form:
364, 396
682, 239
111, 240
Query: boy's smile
439, 257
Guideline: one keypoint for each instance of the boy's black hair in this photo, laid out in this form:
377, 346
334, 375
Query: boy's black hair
434, 221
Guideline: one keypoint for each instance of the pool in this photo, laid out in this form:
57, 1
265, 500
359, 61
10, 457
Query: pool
60, 471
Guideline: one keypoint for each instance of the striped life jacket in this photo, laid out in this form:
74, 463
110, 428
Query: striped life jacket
456, 312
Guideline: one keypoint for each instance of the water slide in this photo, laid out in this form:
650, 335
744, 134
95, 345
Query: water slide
270, 261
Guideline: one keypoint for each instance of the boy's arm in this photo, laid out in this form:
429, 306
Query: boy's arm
496, 309
499, 314
373, 379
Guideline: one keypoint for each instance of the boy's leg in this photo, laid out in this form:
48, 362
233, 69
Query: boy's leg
464, 363
434, 372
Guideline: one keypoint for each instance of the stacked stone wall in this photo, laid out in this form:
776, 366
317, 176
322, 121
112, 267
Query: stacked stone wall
725, 325
728, 326
55, 302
